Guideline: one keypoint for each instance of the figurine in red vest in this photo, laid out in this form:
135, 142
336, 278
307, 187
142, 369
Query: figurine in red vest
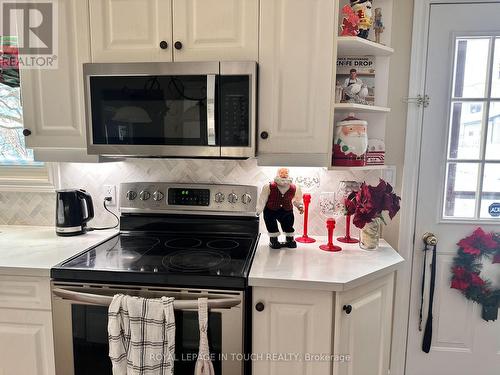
276, 201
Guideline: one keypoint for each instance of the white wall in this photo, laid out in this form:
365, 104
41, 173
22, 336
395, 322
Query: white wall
402, 23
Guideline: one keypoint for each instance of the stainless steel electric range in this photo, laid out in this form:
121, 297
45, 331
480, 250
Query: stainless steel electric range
181, 240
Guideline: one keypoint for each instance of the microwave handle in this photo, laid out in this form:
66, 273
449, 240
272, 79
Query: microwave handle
101, 300
211, 110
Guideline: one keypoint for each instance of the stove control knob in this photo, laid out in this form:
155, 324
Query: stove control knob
232, 198
219, 197
246, 198
158, 195
144, 195
131, 195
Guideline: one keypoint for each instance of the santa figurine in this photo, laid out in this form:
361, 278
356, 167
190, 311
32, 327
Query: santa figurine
277, 200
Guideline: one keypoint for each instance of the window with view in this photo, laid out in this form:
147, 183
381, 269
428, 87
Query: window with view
13, 150
473, 163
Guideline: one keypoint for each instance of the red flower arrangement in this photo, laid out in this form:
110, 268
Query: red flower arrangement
467, 267
370, 202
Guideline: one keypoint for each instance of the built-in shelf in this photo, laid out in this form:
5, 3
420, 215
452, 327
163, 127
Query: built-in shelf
360, 108
364, 168
355, 46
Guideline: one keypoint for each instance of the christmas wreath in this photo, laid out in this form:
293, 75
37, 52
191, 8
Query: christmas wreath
467, 266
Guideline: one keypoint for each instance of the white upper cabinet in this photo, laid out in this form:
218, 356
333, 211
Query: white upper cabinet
215, 30
52, 99
363, 328
141, 30
131, 30
296, 64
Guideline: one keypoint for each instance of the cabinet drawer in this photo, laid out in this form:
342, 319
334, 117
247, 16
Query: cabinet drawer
25, 292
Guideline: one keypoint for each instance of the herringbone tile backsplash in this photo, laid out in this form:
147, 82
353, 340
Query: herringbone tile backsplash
38, 208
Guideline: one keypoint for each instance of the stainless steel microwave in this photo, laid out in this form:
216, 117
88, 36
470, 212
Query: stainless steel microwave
171, 109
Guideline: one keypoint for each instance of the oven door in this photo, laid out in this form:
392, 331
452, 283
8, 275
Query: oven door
81, 336
152, 109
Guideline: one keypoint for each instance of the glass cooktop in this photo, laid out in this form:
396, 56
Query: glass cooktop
191, 260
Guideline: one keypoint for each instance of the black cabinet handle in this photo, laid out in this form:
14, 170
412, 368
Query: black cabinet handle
264, 135
347, 309
178, 45
163, 44
259, 307
26, 132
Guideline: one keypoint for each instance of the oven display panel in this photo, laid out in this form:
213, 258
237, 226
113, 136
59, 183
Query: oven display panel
188, 197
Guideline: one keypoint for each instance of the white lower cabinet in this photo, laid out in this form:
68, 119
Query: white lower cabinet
26, 343
292, 323
26, 337
305, 323
363, 324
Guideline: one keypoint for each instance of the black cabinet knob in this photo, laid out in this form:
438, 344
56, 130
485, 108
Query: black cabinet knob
347, 309
259, 307
264, 135
178, 45
26, 132
163, 45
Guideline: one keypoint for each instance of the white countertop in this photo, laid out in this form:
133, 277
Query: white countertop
32, 251
309, 267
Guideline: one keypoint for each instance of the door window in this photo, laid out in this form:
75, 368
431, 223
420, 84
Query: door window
472, 189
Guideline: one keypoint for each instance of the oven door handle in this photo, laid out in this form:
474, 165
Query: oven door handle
180, 304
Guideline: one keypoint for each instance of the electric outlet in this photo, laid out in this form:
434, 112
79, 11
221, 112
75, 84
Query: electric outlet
110, 192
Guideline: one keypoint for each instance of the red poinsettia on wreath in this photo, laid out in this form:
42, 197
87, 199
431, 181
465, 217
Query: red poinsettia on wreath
467, 267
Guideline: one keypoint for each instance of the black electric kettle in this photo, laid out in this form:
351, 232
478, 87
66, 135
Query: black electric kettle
74, 208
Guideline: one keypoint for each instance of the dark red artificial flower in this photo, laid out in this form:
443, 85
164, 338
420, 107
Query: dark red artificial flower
371, 201
470, 250
477, 240
476, 279
459, 284
459, 272
350, 204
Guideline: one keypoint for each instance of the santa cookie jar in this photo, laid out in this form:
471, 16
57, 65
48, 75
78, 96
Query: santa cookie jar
350, 142
276, 201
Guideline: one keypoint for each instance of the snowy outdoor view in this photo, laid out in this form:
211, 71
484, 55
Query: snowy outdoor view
12, 149
475, 130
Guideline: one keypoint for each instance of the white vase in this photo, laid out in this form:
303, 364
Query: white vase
369, 237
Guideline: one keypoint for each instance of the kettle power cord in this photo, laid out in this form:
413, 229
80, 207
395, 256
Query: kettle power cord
107, 199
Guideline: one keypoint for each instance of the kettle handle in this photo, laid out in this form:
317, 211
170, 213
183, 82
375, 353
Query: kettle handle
88, 202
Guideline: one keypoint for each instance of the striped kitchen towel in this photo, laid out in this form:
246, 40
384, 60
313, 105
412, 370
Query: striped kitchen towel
141, 335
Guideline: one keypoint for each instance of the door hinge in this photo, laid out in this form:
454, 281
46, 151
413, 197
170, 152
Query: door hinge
419, 100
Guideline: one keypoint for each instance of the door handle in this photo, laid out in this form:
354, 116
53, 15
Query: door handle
430, 239
179, 304
211, 110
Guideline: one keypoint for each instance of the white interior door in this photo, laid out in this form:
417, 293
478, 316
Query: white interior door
459, 181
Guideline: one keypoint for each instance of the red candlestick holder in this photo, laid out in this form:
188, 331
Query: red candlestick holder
330, 225
305, 238
347, 238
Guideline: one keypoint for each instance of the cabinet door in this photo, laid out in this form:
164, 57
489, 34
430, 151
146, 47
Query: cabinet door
296, 57
363, 318
52, 99
292, 321
216, 29
26, 342
131, 30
